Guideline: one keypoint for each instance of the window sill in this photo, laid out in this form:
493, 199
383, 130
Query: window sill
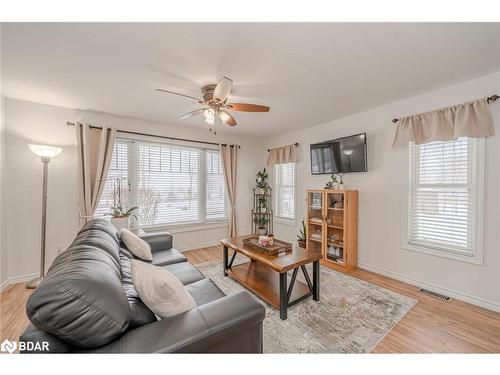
282, 220
185, 228
441, 253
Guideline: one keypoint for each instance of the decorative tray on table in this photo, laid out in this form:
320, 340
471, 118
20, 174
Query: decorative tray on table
277, 247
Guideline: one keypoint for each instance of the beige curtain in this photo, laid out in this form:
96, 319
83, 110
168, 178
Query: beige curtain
281, 155
94, 151
472, 119
229, 157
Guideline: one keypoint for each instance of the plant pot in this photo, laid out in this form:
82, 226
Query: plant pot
302, 244
262, 231
121, 222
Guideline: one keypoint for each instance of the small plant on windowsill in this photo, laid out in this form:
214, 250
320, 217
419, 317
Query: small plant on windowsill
302, 236
120, 214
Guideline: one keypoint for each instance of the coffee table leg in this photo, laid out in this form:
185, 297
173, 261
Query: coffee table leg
283, 296
316, 280
225, 262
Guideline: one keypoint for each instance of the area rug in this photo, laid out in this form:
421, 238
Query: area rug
352, 316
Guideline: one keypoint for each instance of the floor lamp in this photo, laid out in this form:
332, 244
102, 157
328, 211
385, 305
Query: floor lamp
45, 153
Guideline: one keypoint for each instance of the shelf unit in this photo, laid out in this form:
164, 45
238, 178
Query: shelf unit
332, 227
262, 208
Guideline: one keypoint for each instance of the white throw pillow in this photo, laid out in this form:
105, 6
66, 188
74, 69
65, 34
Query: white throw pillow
160, 290
136, 245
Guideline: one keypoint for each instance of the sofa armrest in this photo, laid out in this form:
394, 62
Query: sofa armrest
232, 324
158, 241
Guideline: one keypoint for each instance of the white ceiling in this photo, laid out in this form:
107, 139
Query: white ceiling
307, 73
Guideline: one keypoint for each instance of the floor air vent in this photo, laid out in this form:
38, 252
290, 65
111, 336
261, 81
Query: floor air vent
434, 294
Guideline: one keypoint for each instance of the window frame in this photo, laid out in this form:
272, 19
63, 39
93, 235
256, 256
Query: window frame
202, 223
281, 219
478, 158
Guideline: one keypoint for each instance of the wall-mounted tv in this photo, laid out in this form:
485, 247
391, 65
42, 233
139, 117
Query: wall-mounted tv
341, 155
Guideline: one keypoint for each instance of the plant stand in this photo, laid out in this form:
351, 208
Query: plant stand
262, 212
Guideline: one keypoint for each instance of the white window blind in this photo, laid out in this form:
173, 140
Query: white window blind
171, 184
443, 196
285, 190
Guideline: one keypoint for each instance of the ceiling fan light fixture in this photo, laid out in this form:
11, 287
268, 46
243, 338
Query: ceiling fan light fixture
209, 114
224, 116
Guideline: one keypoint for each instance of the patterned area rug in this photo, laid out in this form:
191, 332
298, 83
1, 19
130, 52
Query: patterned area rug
352, 316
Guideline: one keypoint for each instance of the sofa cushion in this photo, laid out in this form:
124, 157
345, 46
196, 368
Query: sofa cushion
81, 300
160, 290
204, 291
136, 245
185, 272
169, 256
140, 314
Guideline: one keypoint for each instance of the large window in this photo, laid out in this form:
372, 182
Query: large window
171, 184
444, 210
285, 191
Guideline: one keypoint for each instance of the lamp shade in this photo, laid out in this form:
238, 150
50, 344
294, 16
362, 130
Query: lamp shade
45, 151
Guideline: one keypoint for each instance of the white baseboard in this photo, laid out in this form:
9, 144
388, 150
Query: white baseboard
17, 279
197, 246
490, 305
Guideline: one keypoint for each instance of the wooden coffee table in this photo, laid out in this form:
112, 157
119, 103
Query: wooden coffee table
266, 275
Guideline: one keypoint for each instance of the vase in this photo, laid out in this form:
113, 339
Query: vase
121, 222
262, 231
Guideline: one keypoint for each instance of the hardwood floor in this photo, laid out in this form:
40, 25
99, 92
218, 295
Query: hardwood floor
432, 326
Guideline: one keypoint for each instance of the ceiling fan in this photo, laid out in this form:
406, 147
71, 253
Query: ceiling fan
215, 106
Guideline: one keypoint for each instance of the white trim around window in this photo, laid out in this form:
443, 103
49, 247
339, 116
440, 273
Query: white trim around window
471, 253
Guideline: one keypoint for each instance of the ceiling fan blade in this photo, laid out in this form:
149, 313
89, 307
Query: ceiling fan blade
178, 93
226, 117
223, 89
191, 114
245, 107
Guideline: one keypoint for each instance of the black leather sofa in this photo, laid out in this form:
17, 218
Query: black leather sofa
87, 304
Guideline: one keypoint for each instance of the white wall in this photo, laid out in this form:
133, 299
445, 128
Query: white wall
381, 196
27, 123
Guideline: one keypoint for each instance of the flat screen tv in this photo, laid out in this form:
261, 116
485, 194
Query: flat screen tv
342, 155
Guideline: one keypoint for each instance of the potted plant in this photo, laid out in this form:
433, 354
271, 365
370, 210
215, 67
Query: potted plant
261, 222
120, 214
333, 183
302, 236
261, 181
262, 204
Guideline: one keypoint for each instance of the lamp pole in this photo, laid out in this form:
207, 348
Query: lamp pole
45, 152
32, 284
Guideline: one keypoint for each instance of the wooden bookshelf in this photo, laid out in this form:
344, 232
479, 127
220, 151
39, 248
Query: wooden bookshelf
333, 216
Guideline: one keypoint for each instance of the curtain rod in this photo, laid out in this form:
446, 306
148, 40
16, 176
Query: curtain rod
296, 145
492, 98
158, 136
